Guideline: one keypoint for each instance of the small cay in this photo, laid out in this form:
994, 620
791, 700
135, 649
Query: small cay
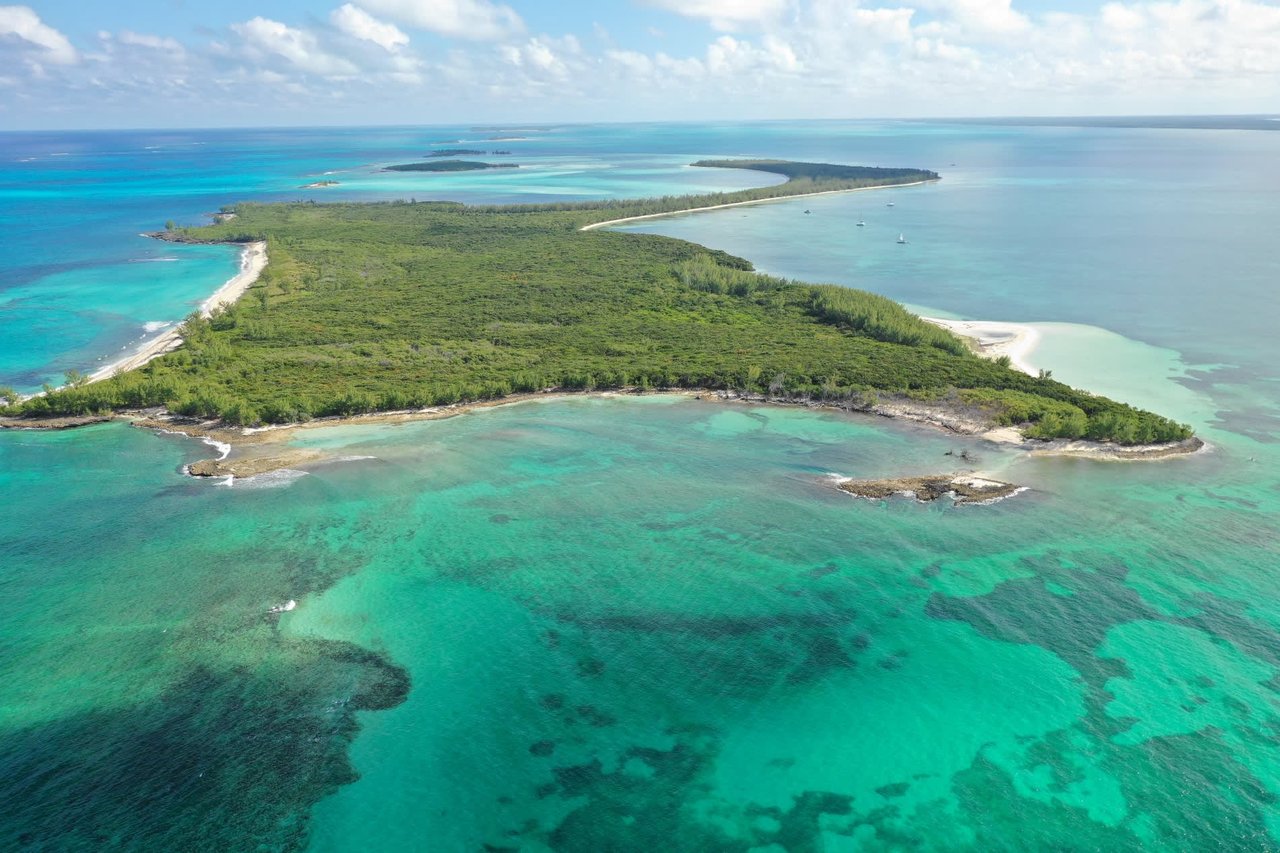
963, 488
250, 466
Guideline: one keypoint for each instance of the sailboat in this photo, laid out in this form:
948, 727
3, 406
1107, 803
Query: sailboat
902, 238
861, 223
890, 204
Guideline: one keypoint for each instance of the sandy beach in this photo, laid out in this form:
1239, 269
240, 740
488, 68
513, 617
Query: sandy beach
596, 225
252, 261
995, 339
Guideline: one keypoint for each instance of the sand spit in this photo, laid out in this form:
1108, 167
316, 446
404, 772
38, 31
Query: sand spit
593, 226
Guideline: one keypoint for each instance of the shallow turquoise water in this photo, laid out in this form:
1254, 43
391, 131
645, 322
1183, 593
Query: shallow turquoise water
651, 623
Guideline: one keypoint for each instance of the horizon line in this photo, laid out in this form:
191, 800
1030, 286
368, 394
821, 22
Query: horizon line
542, 124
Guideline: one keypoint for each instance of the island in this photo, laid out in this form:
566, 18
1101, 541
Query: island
512, 130
318, 185
823, 172
449, 166
427, 308
961, 488
465, 152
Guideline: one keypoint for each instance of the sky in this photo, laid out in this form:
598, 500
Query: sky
192, 63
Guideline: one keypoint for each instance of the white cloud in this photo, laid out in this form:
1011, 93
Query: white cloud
358, 23
406, 69
729, 56
470, 19
1118, 17
837, 58
151, 42
299, 47
24, 25
544, 57
974, 56
631, 62
980, 18
726, 14
680, 70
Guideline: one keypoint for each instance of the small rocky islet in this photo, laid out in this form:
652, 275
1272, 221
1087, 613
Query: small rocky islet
962, 488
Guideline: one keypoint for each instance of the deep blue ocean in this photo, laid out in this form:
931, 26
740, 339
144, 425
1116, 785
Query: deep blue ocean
600, 623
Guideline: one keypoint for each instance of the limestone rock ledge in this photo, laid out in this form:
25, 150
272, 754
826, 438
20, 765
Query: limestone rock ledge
962, 488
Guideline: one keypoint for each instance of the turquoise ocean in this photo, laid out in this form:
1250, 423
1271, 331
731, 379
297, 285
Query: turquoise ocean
622, 623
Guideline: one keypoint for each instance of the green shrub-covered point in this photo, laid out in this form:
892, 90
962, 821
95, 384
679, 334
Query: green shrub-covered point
371, 307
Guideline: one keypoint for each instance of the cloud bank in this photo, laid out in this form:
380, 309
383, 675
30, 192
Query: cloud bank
443, 60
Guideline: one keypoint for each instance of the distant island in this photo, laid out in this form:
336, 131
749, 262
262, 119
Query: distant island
1269, 123
823, 172
319, 185
464, 152
449, 166
510, 130
433, 304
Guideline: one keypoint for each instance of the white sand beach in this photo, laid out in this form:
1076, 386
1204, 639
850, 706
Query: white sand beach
252, 262
253, 259
596, 225
994, 339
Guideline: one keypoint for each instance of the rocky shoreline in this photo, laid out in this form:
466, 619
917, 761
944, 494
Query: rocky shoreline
954, 417
69, 422
258, 451
962, 488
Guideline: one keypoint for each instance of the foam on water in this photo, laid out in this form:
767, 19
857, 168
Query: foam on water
222, 447
277, 479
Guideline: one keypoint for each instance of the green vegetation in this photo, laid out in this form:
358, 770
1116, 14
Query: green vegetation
368, 307
449, 166
824, 171
855, 310
1082, 416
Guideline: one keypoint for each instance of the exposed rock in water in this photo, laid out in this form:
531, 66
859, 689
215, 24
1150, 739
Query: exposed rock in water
249, 466
963, 488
